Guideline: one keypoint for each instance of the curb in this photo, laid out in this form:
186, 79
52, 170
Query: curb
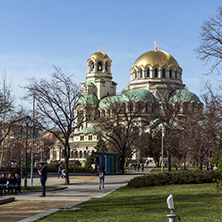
6, 200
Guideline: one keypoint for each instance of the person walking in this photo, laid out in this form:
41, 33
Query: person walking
142, 167
138, 167
43, 177
60, 168
101, 177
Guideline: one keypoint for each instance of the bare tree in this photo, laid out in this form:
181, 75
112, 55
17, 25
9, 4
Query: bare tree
210, 48
119, 124
56, 100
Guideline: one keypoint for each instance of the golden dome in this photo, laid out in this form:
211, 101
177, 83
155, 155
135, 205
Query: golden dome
99, 55
156, 57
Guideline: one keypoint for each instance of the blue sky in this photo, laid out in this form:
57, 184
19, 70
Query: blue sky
38, 34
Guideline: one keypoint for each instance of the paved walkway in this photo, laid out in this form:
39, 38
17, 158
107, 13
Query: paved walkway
30, 206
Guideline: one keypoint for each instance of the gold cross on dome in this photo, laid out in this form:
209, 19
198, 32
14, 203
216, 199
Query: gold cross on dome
99, 49
155, 47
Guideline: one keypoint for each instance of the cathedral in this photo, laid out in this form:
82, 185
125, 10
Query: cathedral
153, 73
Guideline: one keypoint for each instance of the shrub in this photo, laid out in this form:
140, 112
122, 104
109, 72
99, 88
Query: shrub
179, 177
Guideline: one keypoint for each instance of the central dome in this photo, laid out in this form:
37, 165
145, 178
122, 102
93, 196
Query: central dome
156, 57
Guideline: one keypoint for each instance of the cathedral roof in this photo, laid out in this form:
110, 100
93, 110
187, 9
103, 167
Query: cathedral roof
99, 55
184, 95
134, 95
88, 99
156, 57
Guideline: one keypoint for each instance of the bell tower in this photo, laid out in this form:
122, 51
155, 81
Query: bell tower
99, 73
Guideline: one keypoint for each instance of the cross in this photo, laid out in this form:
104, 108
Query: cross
99, 48
155, 48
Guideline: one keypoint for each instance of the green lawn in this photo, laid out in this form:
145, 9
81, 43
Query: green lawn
193, 202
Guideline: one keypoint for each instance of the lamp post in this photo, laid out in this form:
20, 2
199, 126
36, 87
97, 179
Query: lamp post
162, 146
33, 134
26, 145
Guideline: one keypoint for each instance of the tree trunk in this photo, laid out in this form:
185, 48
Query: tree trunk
67, 170
122, 165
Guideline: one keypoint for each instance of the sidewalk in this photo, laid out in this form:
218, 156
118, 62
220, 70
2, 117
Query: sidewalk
82, 188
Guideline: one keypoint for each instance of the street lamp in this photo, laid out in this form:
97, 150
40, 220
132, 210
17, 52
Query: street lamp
162, 146
26, 145
33, 134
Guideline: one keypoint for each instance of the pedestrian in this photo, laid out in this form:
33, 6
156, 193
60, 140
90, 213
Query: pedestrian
138, 167
43, 177
215, 167
101, 177
130, 166
60, 170
210, 167
134, 164
142, 167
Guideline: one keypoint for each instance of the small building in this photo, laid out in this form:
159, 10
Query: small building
108, 161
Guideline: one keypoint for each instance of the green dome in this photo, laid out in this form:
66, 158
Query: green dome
134, 95
184, 95
139, 94
88, 99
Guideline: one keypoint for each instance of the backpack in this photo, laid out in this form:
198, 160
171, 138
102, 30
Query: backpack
101, 174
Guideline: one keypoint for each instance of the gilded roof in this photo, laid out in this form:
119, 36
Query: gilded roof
99, 55
156, 57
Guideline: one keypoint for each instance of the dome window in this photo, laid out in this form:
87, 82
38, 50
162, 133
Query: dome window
163, 73
92, 67
135, 74
141, 73
106, 67
148, 73
175, 74
99, 66
156, 73
170, 73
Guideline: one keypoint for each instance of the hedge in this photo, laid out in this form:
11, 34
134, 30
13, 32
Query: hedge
176, 177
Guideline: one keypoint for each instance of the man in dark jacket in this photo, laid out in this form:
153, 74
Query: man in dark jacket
17, 184
3, 182
43, 177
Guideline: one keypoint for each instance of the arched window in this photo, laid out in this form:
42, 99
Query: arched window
106, 67
141, 73
170, 73
108, 112
163, 73
63, 154
156, 72
98, 114
80, 154
90, 137
85, 154
103, 113
135, 74
176, 74
92, 66
71, 154
148, 73
99, 66
76, 154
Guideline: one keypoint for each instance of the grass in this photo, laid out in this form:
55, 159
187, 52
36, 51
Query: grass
193, 202
159, 169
